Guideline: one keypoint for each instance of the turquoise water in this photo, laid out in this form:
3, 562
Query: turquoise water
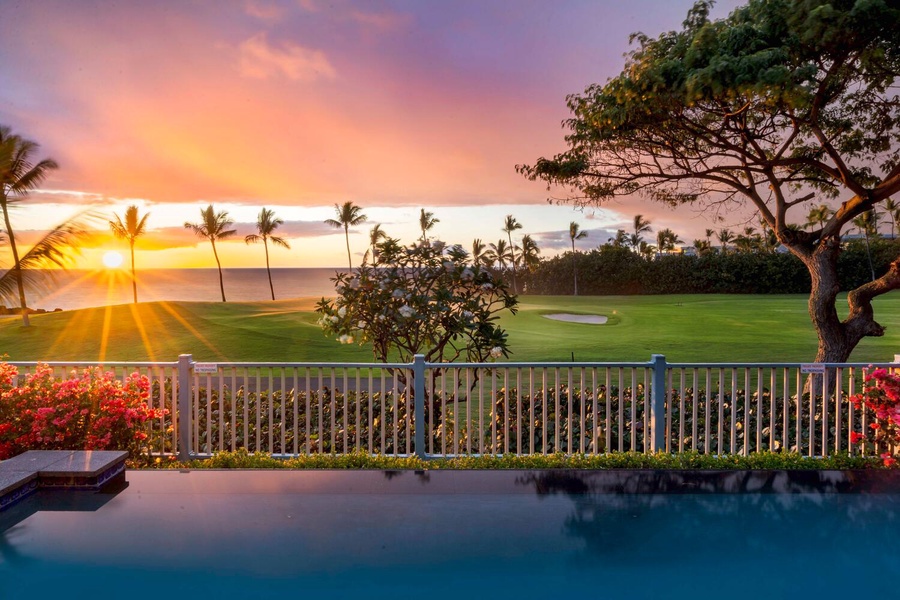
441, 535
81, 289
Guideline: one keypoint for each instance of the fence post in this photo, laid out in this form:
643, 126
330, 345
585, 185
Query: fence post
419, 403
657, 403
185, 361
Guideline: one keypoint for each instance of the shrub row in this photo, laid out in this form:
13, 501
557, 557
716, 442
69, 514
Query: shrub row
616, 460
610, 270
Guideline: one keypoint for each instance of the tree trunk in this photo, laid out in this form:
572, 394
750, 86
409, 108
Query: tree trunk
133, 278
17, 267
219, 265
837, 338
347, 239
268, 270
512, 250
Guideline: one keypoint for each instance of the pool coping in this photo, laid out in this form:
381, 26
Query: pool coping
22, 475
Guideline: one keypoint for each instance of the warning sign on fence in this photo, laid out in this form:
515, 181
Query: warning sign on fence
206, 367
812, 368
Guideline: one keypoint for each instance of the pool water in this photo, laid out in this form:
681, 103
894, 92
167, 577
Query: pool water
435, 534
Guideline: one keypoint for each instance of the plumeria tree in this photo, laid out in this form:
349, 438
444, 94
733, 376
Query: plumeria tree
431, 300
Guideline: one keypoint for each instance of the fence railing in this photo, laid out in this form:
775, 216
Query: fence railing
454, 409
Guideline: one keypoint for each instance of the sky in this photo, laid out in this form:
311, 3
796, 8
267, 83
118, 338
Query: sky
298, 105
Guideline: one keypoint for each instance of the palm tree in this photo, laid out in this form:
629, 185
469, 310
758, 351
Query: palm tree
641, 226
130, 230
19, 176
479, 256
530, 254
348, 214
213, 226
818, 215
666, 240
575, 234
499, 253
266, 223
893, 211
376, 234
709, 234
427, 222
867, 223
509, 226
725, 236
52, 250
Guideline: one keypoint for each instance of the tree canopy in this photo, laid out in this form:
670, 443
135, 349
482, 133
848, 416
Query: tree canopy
781, 103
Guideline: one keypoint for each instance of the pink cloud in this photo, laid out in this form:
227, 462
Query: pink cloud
261, 60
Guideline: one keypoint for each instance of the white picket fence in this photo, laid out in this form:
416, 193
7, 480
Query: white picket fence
466, 409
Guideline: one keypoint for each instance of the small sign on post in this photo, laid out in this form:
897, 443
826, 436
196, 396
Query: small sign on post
812, 368
206, 367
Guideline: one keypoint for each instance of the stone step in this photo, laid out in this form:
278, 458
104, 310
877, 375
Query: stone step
69, 469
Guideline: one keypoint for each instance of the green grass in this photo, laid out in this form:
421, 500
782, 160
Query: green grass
690, 328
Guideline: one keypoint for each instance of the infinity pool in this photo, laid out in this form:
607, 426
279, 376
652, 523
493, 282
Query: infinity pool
436, 534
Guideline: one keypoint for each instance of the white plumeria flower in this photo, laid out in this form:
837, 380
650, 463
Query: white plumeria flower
334, 319
361, 325
398, 293
468, 314
487, 286
342, 311
496, 352
406, 310
467, 274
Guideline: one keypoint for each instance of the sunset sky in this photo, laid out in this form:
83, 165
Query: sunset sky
301, 104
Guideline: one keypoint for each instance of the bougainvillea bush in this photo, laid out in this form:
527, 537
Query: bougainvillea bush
881, 396
89, 410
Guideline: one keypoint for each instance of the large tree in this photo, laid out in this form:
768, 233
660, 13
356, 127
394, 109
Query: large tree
266, 224
213, 226
776, 105
130, 229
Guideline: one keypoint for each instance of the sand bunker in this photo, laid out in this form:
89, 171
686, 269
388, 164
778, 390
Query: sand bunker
589, 319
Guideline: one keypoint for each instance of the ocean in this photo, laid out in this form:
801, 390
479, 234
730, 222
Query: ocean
82, 289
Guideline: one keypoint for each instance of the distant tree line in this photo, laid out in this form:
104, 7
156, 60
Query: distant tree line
618, 270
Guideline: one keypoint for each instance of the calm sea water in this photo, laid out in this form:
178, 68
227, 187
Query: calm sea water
82, 289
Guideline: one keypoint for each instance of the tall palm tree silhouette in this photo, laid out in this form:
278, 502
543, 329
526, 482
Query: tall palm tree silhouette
376, 234
266, 223
576, 234
213, 226
348, 215
427, 221
509, 226
131, 229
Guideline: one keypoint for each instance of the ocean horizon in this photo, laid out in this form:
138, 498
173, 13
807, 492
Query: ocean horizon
74, 289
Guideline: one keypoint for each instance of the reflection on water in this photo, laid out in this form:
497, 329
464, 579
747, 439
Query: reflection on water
500, 534
790, 519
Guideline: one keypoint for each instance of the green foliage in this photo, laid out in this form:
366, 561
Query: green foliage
421, 299
778, 104
612, 270
615, 460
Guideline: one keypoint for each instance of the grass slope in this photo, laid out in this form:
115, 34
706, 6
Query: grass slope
697, 328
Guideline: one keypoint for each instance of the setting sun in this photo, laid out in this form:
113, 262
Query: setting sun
112, 259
